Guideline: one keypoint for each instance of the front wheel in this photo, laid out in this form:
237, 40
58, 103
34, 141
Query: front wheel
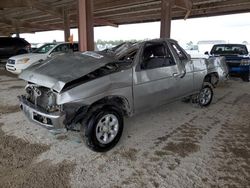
205, 96
104, 129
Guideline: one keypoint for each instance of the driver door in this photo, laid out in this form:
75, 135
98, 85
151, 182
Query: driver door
154, 81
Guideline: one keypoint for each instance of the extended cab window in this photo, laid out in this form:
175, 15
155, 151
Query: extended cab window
155, 55
179, 52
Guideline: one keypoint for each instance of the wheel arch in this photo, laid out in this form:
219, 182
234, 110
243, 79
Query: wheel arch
119, 102
212, 78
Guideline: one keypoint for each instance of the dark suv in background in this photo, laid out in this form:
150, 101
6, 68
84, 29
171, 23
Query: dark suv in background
13, 46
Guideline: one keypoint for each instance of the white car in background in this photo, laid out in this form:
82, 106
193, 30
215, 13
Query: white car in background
17, 64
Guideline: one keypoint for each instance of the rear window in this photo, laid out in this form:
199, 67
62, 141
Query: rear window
229, 49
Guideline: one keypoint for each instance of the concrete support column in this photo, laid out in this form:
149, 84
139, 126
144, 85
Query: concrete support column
17, 34
66, 23
86, 25
17, 28
166, 17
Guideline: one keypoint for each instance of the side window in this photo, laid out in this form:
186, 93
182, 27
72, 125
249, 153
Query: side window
179, 52
155, 55
61, 48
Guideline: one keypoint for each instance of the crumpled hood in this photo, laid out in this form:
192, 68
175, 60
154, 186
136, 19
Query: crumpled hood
55, 72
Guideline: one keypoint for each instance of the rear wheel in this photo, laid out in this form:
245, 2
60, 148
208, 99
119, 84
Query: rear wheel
246, 78
205, 96
104, 128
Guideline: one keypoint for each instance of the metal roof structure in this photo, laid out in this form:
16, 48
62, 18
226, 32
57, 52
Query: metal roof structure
42, 15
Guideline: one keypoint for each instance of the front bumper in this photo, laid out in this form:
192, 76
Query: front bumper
52, 121
13, 69
242, 71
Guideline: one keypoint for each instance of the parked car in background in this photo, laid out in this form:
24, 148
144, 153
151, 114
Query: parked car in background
17, 64
237, 59
13, 46
93, 91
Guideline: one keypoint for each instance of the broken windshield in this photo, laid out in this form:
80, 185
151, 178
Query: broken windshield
124, 52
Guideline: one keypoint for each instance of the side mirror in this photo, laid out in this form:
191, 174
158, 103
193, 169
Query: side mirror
206, 53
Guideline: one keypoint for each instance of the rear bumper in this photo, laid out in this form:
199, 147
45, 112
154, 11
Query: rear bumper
51, 121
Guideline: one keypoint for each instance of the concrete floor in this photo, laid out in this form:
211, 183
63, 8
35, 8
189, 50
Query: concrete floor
177, 145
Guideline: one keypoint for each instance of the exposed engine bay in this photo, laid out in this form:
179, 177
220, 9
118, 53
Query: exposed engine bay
42, 97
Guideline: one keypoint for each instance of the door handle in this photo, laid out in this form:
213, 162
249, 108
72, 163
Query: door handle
176, 75
180, 75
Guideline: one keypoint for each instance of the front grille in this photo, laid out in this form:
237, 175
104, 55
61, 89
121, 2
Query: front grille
42, 97
11, 61
233, 64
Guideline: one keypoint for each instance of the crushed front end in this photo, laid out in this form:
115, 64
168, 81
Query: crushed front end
39, 105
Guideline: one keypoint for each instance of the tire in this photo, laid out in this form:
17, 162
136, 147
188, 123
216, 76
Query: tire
245, 78
99, 133
206, 94
186, 99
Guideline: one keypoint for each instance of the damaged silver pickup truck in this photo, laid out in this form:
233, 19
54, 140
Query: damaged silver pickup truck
93, 91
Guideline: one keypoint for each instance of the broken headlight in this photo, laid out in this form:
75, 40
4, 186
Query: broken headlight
52, 105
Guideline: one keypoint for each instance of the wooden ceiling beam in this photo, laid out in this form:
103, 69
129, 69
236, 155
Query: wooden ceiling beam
104, 22
220, 9
13, 3
18, 23
127, 6
184, 4
97, 21
57, 12
45, 15
114, 4
222, 3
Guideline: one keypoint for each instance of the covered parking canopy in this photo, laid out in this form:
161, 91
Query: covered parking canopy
27, 16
